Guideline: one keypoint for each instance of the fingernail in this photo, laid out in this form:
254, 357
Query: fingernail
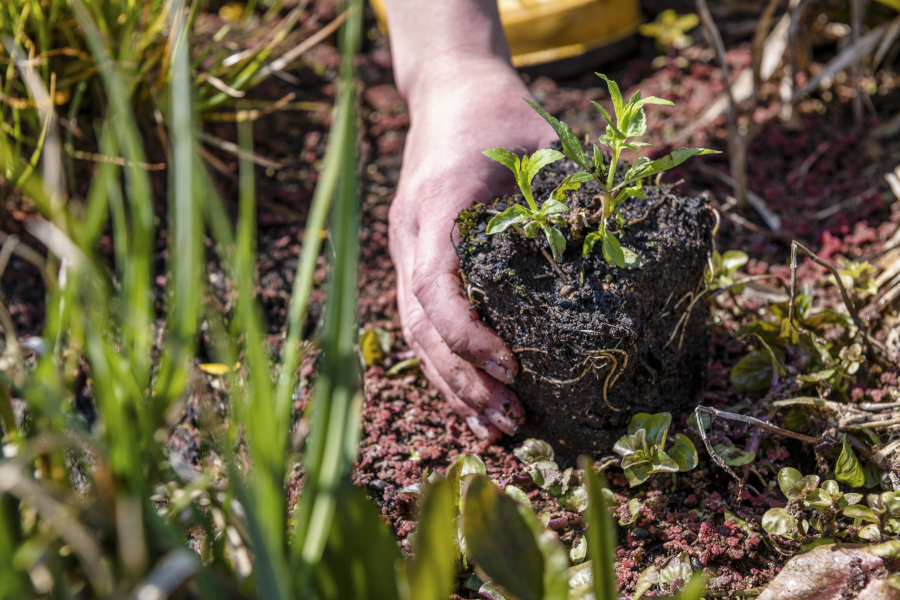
480, 430
498, 372
501, 421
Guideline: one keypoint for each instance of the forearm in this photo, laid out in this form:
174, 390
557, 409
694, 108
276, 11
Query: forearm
443, 42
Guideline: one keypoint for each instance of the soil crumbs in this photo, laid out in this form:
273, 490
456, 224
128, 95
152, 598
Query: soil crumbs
407, 426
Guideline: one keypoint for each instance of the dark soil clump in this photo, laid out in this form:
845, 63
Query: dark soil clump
605, 343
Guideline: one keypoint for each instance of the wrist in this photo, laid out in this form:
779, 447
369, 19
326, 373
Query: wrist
475, 80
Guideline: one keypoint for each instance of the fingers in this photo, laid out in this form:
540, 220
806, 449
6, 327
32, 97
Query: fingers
437, 287
483, 395
479, 424
487, 406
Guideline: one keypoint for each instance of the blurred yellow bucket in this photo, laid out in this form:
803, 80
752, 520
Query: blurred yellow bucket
545, 31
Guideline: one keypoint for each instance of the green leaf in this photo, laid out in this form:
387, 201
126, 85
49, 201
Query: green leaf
816, 543
873, 474
734, 259
831, 486
575, 499
349, 569
435, 566
504, 157
491, 591
570, 143
516, 494
568, 184
648, 578
653, 100
612, 251
553, 206
616, 95
513, 214
676, 567
849, 499
545, 473
662, 462
638, 474
779, 521
533, 449
556, 240
870, 533
590, 240
501, 542
656, 426
637, 422
598, 158
578, 552
636, 167
848, 470
627, 193
858, 511
673, 160
609, 122
467, 464
888, 549
541, 159
794, 485
826, 317
626, 445
695, 588
601, 535
403, 365
531, 229
733, 455
583, 177
818, 499
683, 452
753, 373
637, 125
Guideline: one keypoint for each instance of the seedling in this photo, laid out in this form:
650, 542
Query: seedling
543, 218
643, 448
631, 121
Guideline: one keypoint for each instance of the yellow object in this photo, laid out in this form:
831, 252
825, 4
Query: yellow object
670, 29
543, 31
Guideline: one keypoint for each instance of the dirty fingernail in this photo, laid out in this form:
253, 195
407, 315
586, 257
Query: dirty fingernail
480, 430
498, 372
501, 421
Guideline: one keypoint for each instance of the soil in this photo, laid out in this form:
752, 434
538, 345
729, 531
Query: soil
407, 426
603, 343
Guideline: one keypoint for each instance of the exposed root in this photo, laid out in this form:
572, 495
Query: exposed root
590, 366
472, 288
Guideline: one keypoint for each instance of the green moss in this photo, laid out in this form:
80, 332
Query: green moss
468, 220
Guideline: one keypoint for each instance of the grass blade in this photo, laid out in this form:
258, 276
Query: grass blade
435, 566
601, 535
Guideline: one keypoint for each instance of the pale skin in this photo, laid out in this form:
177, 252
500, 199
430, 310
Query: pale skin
452, 66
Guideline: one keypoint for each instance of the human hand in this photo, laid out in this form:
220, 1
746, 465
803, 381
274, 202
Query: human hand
444, 171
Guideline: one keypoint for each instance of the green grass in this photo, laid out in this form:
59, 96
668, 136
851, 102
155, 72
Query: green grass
125, 534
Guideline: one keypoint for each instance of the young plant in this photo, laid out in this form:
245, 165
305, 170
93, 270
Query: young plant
630, 121
882, 515
818, 359
643, 448
723, 268
543, 218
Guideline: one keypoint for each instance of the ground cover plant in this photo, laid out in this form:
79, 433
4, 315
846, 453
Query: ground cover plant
666, 525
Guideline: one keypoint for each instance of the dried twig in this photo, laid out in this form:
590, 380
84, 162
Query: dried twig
737, 142
856, 51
